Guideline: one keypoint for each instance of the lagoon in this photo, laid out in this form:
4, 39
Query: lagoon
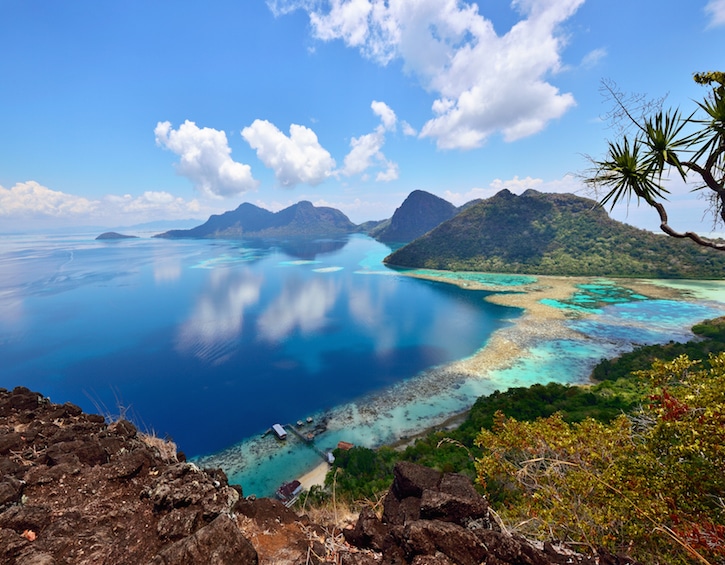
210, 342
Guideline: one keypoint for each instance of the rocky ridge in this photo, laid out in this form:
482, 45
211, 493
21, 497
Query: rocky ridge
75, 489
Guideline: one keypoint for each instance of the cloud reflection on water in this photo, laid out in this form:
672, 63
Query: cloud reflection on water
302, 305
211, 333
369, 310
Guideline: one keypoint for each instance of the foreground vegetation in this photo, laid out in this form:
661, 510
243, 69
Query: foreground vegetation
634, 463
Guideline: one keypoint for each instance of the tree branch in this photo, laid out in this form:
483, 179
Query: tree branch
665, 227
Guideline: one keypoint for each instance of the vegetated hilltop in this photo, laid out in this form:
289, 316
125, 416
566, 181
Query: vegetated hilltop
553, 234
301, 219
419, 213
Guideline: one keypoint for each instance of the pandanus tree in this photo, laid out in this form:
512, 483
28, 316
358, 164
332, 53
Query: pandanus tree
657, 143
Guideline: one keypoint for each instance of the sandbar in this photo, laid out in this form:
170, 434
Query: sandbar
539, 321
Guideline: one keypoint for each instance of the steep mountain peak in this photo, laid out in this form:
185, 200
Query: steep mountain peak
419, 213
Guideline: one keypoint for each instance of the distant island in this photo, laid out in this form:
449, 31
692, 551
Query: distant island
112, 235
534, 233
553, 234
299, 220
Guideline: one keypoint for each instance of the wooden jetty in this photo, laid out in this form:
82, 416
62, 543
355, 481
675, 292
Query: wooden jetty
309, 441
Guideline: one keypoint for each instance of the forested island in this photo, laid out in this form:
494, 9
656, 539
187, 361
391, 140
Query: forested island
553, 234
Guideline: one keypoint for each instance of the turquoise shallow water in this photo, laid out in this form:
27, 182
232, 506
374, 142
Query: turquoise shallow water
606, 318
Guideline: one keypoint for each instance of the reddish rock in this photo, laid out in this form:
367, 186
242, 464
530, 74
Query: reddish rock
219, 543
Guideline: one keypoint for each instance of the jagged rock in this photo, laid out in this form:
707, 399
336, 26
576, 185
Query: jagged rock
411, 480
11, 442
368, 532
11, 490
88, 452
219, 543
84, 492
431, 517
10, 468
20, 518
123, 428
437, 559
184, 484
428, 537
397, 511
22, 399
436, 505
179, 523
266, 511
128, 464
11, 543
32, 557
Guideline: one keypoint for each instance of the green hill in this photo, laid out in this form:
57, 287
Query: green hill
553, 234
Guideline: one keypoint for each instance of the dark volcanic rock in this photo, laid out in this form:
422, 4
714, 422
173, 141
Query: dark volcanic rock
219, 543
76, 490
429, 517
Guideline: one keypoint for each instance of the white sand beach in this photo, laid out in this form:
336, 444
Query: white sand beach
314, 477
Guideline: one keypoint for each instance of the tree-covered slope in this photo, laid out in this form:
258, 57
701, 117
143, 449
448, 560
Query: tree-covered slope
554, 234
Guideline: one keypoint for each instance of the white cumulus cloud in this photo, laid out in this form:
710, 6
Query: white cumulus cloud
715, 10
386, 115
31, 199
152, 204
296, 159
30, 205
366, 150
485, 83
205, 159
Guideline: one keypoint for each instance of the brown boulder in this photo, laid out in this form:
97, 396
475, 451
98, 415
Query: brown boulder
219, 543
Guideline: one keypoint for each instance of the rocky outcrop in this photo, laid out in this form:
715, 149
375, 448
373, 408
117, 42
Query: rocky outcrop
75, 489
430, 517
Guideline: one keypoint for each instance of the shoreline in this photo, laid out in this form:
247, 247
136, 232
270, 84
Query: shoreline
537, 323
558, 334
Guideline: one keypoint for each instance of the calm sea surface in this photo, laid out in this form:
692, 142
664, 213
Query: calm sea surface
211, 342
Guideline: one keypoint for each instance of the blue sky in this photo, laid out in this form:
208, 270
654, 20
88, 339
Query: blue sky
117, 113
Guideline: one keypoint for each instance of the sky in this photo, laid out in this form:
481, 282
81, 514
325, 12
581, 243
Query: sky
120, 113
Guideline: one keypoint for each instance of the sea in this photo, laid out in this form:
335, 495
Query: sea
211, 342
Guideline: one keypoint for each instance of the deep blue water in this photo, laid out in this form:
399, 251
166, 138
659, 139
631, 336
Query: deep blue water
210, 342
